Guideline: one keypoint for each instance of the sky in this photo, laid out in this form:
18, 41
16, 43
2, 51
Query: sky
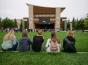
19, 9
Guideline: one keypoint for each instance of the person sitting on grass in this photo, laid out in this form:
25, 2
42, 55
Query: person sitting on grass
53, 44
37, 41
24, 43
69, 43
9, 42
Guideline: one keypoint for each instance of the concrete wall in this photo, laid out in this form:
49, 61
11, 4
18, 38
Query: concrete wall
57, 24
31, 23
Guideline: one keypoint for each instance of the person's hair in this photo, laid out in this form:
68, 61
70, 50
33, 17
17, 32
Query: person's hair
70, 33
9, 36
39, 32
54, 37
24, 34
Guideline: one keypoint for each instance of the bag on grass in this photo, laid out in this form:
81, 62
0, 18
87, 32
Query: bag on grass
53, 46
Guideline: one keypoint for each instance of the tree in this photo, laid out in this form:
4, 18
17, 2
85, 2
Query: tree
7, 23
15, 23
68, 25
74, 23
86, 23
26, 24
82, 24
21, 26
79, 25
0, 23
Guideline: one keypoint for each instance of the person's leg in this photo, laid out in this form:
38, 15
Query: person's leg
59, 48
3, 49
48, 49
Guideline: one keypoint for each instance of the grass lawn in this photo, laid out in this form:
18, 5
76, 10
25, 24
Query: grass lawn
43, 58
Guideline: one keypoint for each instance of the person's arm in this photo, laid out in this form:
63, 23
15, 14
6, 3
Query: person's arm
63, 43
29, 41
42, 39
74, 41
34, 38
14, 41
47, 44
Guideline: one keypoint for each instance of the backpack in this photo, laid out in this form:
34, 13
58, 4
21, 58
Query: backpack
71, 45
53, 46
24, 45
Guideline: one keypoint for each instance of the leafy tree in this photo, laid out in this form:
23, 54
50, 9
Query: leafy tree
86, 23
74, 23
7, 23
21, 25
15, 22
68, 25
80, 24
26, 24
0, 23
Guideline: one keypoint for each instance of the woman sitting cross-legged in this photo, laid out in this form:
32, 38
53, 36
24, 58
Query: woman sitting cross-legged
24, 43
37, 41
53, 44
69, 43
9, 42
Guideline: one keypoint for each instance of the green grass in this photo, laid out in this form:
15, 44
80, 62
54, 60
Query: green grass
43, 58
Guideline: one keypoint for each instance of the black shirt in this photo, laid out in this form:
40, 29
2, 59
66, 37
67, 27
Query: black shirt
37, 43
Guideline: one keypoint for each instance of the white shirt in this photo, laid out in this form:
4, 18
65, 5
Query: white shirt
8, 43
48, 45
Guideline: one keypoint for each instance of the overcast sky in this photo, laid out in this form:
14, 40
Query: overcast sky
19, 9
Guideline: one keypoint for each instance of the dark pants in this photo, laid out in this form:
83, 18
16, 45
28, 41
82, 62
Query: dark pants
36, 49
69, 50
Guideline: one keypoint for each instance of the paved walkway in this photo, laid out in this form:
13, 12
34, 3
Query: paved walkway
82, 52
18, 51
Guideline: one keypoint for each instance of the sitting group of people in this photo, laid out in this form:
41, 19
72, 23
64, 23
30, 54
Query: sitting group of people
53, 44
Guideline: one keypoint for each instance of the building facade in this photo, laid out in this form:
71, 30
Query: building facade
44, 17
